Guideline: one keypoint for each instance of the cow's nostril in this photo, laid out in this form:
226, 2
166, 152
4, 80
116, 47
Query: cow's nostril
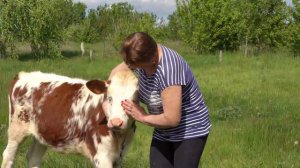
116, 122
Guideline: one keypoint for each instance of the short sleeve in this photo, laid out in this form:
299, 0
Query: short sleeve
174, 71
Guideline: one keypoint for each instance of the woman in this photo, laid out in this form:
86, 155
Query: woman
175, 104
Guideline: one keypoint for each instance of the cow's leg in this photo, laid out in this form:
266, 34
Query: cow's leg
9, 154
17, 131
35, 154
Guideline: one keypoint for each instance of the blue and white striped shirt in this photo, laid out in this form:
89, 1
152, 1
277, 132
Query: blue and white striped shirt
173, 70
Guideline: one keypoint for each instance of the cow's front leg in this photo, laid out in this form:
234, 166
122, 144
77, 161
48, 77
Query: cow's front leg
102, 160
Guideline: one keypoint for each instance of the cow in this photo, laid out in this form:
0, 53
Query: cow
70, 115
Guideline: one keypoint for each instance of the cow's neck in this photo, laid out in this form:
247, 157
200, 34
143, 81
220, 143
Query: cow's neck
124, 137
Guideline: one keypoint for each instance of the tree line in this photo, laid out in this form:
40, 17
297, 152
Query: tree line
205, 25
209, 25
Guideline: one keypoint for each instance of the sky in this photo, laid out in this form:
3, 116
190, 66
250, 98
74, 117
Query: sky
161, 8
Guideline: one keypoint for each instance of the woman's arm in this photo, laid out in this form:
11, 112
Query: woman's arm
121, 67
171, 116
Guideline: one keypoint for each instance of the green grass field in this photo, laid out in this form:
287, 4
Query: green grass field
254, 106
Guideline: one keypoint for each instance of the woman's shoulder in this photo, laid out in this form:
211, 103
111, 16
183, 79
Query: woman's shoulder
167, 50
170, 55
172, 59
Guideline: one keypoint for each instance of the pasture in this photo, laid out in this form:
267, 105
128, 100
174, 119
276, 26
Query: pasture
254, 106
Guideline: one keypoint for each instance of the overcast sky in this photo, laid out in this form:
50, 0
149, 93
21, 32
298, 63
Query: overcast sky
161, 8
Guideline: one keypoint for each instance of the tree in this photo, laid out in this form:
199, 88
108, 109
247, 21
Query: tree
10, 27
264, 23
295, 28
78, 12
85, 30
209, 25
41, 23
47, 24
116, 21
173, 26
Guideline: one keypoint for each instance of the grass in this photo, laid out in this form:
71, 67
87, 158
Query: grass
254, 106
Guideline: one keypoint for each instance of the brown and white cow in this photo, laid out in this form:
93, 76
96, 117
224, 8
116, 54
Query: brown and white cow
70, 115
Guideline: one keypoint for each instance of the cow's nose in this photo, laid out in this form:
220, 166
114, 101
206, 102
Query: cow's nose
116, 122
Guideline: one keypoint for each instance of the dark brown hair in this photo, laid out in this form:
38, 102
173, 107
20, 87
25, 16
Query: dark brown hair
138, 47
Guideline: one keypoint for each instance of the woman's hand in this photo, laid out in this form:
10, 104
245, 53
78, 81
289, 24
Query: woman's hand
169, 118
134, 110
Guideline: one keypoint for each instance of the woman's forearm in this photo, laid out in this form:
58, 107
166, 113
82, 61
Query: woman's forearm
160, 121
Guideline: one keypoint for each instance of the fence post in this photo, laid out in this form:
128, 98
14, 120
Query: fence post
91, 55
220, 56
82, 49
246, 47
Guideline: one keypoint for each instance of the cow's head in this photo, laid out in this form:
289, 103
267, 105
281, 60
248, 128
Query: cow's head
123, 85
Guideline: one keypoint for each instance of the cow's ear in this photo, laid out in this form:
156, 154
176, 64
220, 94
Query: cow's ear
97, 86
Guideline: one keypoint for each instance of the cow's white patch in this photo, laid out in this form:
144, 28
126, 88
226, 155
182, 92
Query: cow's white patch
95, 141
34, 79
97, 117
9, 111
80, 107
88, 125
107, 152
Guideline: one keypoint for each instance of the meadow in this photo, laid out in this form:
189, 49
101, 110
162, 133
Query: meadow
253, 101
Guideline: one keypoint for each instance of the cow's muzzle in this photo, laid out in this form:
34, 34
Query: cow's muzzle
115, 124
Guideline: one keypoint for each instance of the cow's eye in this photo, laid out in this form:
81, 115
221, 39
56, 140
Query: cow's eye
109, 99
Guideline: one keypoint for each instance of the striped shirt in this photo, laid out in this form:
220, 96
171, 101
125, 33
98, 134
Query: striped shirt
173, 70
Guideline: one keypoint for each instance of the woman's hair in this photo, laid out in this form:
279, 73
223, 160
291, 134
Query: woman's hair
138, 47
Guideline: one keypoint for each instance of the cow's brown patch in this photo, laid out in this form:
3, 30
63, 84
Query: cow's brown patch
89, 98
19, 92
40, 92
98, 127
24, 116
55, 112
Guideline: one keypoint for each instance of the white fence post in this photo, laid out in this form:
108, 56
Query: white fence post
91, 55
220, 56
82, 49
